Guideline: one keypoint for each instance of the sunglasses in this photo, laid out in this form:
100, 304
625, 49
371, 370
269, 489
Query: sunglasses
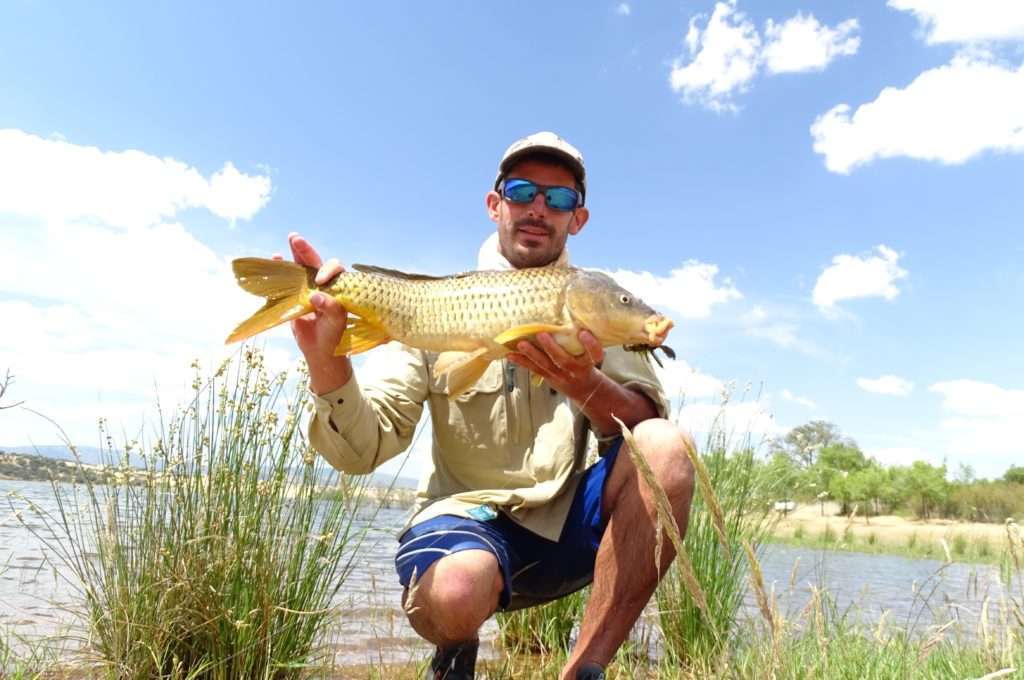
524, 191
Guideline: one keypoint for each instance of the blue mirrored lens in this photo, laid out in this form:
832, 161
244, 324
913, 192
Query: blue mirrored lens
561, 198
524, 191
520, 191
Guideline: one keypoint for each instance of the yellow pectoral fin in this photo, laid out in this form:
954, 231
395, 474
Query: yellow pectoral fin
446, 361
536, 380
360, 336
526, 331
464, 371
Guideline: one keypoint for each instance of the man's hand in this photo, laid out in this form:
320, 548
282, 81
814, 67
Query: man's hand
575, 376
317, 334
578, 378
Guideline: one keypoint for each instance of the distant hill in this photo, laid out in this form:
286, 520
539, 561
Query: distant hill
92, 455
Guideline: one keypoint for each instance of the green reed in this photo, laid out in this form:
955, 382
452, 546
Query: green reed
735, 495
214, 557
543, 629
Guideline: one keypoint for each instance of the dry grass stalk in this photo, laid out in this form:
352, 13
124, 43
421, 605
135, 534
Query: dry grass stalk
937, 637
765, 605
999, 674
880, 628
410, 594
710, 499
986, 640
757, 582
667, 521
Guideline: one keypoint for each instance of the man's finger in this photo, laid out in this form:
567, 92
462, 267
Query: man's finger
303, 252
540, 360
328, 271
592, 346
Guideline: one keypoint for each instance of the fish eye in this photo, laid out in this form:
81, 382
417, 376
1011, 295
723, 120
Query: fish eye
624, 299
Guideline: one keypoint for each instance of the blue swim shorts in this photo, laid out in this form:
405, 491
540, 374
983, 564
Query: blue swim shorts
535, 569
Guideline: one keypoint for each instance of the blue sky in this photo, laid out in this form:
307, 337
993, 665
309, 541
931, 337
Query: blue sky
824, 195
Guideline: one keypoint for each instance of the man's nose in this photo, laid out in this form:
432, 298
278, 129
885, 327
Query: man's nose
539, 203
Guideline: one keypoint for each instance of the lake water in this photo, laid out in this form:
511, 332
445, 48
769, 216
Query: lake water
35, 600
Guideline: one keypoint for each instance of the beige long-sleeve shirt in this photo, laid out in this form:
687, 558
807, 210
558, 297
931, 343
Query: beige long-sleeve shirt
506, 444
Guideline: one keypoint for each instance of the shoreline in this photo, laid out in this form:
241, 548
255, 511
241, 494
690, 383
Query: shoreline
941, 539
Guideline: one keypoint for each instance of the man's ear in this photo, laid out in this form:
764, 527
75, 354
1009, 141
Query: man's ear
579, 218
493, 200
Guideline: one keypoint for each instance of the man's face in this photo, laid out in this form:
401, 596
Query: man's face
532, 234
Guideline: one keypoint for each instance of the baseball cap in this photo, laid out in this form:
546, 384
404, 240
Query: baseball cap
548, 143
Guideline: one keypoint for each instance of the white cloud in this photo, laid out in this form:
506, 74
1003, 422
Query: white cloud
56, 181
680, 380
739, 424
957, 21
886, 384
726, 55
985, 423
851, 277
724, 58
624, 9
803, 401
110, 299
976, 399
948, 114
689, 291
803, 44
902, 456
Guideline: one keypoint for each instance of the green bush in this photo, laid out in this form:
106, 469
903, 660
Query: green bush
219, 560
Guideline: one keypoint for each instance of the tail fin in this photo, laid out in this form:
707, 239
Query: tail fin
285, 285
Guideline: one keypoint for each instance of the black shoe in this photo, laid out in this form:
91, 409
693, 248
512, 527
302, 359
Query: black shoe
590, 671
455, 663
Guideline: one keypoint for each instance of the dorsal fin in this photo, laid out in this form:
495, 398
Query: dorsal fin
396, 274
393, 273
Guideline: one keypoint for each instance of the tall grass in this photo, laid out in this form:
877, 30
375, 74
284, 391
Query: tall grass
214, 557
719, 556
544, 629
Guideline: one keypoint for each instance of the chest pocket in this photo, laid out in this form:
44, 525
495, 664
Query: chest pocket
471, 431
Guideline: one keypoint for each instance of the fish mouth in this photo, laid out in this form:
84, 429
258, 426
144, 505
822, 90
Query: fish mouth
657, 327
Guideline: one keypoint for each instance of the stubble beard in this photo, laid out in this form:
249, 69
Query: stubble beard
521, 256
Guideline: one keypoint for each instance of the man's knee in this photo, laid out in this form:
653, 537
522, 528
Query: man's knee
457, 594
666, 448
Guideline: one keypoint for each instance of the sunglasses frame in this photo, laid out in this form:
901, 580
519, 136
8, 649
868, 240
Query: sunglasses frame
540, 188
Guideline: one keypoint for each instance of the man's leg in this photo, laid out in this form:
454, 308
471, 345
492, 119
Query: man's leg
624, 574
454, 597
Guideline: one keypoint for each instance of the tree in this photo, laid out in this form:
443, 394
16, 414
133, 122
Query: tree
1014, 475
873, 485
925, 487
836, 462
803, 442
5, 384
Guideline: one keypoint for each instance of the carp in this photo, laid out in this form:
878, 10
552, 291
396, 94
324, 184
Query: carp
470, 319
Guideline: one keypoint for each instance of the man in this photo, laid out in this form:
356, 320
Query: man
509, 515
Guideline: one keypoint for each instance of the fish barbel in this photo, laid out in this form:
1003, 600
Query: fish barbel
472, 319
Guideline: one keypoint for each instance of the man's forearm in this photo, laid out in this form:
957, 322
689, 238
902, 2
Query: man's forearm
327, 376
601, 398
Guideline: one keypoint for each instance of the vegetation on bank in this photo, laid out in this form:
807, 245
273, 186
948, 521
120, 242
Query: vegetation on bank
27, 467
815, 462
955, 545
221, 562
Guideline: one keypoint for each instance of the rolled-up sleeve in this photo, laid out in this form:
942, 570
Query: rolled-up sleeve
368, 421
633, 371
